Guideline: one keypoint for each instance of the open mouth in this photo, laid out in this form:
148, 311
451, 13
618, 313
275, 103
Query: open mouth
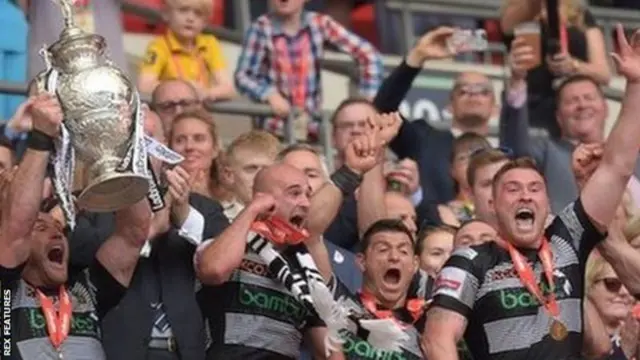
525, 218
392, 276
297, 220
56, 255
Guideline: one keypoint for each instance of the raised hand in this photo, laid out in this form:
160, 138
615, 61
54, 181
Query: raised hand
263, 205
629, 333
585, 160
627, 59
22, 121
521, 57
179, 190
46, 114
363, 152
432, 46
406, 173
387, 126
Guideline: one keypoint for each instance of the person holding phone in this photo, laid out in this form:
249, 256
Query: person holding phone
580, 49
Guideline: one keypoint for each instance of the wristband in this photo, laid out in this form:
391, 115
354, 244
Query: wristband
346, 180
37, 140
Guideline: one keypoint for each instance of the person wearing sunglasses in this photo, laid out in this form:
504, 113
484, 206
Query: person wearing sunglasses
610, 317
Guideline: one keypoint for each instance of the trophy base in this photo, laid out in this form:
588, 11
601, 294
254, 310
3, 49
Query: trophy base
112, 192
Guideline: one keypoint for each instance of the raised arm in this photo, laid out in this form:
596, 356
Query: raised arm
621, 149
370, 67
514, 116
515, 12
25, 193
120, 253
444, 329
217, 259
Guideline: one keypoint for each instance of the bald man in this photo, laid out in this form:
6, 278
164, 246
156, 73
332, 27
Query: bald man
238, 301
173, 97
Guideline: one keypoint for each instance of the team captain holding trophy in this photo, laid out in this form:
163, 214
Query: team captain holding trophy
86, 107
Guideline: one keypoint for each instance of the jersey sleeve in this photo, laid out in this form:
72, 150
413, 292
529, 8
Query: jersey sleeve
155, 58
574, 224
457, 284
215, 56
108, 291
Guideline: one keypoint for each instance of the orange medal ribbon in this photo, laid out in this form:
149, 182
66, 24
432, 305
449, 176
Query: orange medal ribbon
414, 308
58, 325
279, 231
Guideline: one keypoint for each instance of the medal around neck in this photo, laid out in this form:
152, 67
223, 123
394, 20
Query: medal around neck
102, 122
558, 330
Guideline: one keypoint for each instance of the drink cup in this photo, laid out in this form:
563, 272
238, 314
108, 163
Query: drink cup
530, 32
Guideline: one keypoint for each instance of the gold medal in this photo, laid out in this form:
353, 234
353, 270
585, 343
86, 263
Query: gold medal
558, 330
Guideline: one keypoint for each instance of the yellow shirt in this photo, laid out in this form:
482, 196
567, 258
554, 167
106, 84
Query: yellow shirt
168, 59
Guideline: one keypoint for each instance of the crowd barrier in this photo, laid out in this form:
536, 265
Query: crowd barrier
478, 8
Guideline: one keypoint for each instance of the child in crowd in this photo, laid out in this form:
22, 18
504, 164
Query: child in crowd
280, 65
185, 53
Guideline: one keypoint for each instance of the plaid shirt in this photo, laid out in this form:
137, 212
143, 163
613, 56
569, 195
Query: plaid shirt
274, 61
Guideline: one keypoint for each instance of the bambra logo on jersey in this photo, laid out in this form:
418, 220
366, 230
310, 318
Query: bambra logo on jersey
272, 302
360, 349
522, 298
82, 324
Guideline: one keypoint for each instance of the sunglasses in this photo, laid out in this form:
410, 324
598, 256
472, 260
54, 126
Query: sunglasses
613, 285
473, 89
505, 150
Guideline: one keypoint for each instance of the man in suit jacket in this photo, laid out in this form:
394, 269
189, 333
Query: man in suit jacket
159, 318
581, 114
472, 105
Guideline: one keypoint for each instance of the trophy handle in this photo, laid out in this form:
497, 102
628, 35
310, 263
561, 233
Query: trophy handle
46, 57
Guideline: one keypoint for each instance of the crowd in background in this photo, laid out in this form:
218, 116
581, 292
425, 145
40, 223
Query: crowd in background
436, 229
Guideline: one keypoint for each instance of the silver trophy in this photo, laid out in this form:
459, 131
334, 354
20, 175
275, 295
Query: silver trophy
102, 122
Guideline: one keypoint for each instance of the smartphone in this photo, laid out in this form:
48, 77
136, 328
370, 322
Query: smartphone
468, 40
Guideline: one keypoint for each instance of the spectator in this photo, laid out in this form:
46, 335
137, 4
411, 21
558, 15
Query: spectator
184, 53
584, 53
463, 148
483, 166
472, 105
474, 233
173, 97
612, 305
434, 246
581, 114
45, 25
194, 135
280, 65
243, 159
348, 121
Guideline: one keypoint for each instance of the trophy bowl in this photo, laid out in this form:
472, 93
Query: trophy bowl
99, 105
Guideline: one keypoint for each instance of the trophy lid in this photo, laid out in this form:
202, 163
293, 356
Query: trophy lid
74, 36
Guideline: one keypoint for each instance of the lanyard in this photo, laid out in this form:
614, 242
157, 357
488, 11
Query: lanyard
409, 314
564, 39
296, 68
528, 278
201, 76
58, 325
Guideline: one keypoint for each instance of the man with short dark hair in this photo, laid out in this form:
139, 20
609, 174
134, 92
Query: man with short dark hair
483, 166
490, 294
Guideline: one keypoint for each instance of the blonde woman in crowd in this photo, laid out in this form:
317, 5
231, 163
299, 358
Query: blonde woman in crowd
194, 135
608, 311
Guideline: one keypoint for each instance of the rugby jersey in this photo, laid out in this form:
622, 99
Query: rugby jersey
253, 317
93, 292
505, 321
355, 348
